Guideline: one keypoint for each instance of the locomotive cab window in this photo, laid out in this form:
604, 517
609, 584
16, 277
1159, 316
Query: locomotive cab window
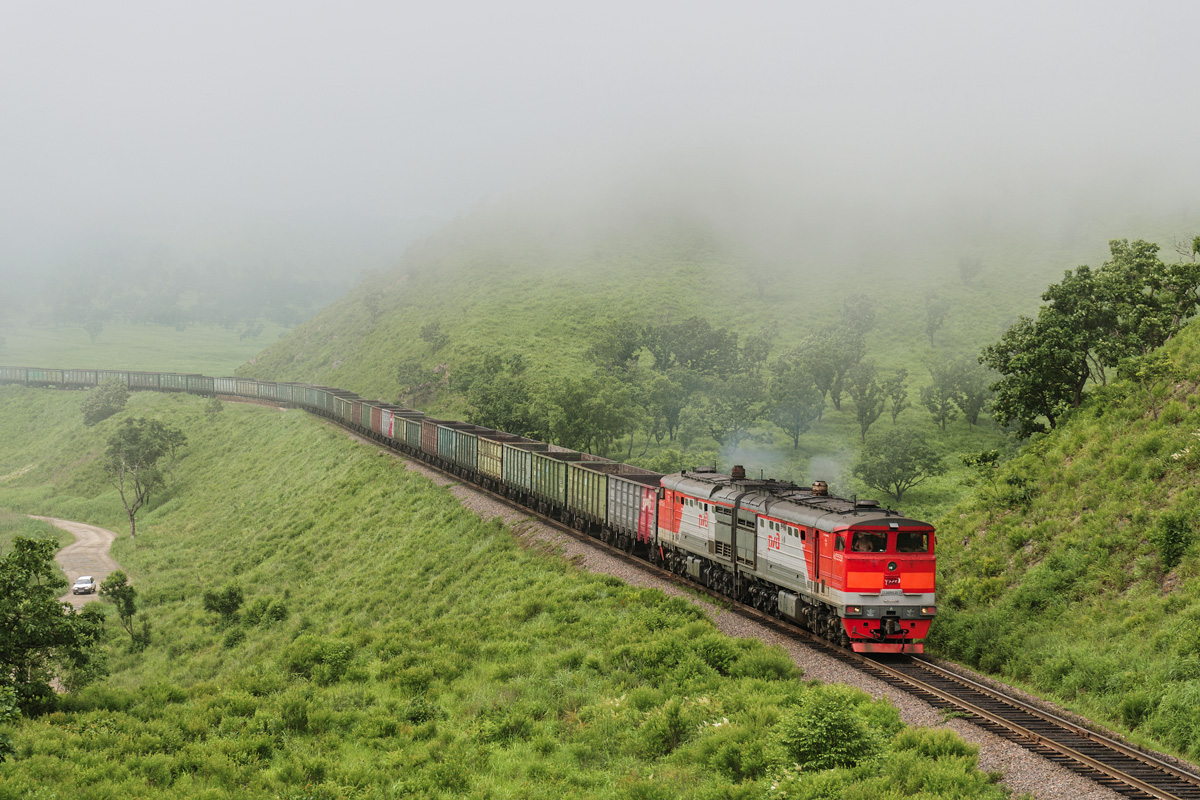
840, 544
912, 542
865, 542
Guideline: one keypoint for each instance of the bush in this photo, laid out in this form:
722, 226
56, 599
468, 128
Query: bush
1171, 537
934, 743
102, 402
826, 731
323, 660
716, 651
225, 602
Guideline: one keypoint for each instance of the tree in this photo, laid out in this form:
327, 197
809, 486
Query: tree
867, 394
41, 638
969, 268
137, 459
793, 397
935, 315
105, 400
1043, 373
734, 406
1094, 320
414, 379
896, 461
894, 389
941, 397
972, 387
116, 589
431, 332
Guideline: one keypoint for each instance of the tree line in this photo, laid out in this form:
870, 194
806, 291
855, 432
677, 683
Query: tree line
681, 382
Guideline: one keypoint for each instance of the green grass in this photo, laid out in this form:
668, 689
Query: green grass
1072, 592
392, 644
206, 349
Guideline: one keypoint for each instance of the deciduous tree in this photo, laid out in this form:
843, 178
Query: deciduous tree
863, 387
41, 638
941, 396
896, 461
894, 389
116, 589
793, 397
137, 459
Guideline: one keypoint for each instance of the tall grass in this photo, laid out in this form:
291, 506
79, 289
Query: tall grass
392, 644
1085, 588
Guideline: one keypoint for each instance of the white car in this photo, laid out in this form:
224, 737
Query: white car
85, 585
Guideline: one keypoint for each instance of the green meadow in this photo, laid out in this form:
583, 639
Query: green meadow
206, 349
393, 644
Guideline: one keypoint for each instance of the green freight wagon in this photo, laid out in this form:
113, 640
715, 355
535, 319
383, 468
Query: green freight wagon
47, 377
491, 453
200, 384
79, 377
412, 431
172, 382
14, 375
518, 466
105, 375
548, 474
149, 381
587, 490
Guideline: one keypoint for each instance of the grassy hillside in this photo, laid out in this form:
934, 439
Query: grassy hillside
1079, 577
541, 284
207, 349
392, 644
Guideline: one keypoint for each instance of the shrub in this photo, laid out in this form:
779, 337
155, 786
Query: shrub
933, 743
767, 664
224, 602
323, 660
827, 731
1171, 537
666, 729
102, 402
716, 651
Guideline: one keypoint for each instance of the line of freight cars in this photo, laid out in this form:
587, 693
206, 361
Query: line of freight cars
615, 501
847, 569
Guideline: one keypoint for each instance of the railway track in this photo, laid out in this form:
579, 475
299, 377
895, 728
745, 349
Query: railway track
1102, 759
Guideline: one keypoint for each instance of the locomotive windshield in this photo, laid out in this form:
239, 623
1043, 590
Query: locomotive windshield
865, 542
912, 542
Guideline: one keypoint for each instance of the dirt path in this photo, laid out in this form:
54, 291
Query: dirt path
87, 555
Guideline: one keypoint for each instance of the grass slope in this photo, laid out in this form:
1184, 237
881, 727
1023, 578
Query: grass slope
1085, 589
206, 349
538, 284
392, 644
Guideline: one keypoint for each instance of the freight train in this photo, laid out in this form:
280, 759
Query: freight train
855, 573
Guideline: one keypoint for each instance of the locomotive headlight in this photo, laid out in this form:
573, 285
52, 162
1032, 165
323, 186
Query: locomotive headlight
929, 611
891, 566
853, 610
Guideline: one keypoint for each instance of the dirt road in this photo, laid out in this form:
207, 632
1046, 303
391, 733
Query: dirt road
87, 555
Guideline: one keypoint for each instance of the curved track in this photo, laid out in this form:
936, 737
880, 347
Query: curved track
1097, 757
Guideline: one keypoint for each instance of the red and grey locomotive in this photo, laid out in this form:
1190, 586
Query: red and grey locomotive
850, 570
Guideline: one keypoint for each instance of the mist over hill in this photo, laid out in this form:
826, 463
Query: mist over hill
744, 247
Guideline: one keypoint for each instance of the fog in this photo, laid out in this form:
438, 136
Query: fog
324, 137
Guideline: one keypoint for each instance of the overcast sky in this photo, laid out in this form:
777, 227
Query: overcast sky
195, 122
